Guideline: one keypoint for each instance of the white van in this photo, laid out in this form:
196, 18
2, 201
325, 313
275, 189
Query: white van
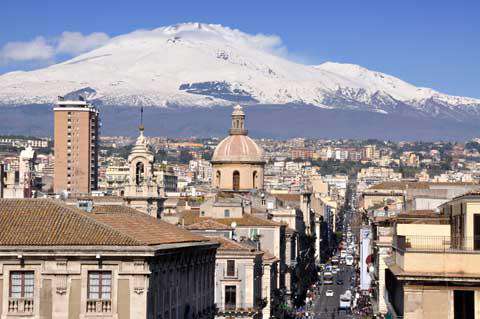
349, 260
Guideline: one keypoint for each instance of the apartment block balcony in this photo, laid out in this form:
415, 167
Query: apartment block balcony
438, 255
20, 306
99, 306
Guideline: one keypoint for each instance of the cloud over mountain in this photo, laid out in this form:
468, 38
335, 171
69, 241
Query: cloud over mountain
43, 49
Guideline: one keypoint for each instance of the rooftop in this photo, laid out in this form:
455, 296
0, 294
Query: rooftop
208, 224
44, 222
232, 245
191, 217
404, 185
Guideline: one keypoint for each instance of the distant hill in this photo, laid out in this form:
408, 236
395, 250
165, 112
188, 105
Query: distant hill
274, 121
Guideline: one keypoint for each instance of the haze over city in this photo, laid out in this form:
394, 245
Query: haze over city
254, 160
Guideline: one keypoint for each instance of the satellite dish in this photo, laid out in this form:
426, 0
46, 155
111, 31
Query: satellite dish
234, 225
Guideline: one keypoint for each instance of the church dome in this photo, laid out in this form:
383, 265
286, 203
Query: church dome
238, 147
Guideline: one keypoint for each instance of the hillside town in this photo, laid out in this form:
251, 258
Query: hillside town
156, 227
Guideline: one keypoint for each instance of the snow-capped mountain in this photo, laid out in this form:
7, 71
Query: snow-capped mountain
197, 64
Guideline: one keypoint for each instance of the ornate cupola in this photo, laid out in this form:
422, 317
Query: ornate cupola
142, 191
238, 162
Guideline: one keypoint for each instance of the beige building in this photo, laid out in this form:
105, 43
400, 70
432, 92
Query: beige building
246, 277
59, 262
76, 147
238, 162
269, 236
434, 269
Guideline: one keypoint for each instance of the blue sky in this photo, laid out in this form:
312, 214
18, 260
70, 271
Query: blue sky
428, 43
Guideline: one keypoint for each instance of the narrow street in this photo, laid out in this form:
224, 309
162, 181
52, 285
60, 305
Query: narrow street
327, 307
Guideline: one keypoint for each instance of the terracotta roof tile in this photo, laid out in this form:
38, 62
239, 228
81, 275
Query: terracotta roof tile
208, 224
231, 245
190, 218
46, 222
400, 185
288, 197
147, 230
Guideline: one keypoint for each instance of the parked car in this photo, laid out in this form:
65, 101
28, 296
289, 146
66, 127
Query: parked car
329, 293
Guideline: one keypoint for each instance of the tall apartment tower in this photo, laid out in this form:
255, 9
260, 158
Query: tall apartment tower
76, 147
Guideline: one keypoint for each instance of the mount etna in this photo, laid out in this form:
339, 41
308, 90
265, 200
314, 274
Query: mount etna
188, 76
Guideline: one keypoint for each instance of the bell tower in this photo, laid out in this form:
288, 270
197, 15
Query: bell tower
142, 191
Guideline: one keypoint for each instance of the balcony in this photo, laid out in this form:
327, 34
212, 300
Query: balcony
239, 310
384, 235
98, 306
438, 255
21, 306
437, 243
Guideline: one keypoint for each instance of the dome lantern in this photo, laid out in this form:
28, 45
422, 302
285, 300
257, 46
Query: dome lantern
238, 121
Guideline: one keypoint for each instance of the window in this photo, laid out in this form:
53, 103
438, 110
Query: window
22, 284
219, 178
254, 177
99, 285
226, 213
464, 304
236, 180
139, 171
230, 297
231, 268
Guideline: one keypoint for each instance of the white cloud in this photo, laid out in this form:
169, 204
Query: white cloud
271, 43
44, 50
36, 49
75, 43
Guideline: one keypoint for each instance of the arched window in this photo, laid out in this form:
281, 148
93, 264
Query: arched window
218, 177
236, 180
139, 172
254, 177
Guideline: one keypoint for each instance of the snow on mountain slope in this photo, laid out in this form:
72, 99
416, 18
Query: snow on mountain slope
197, 64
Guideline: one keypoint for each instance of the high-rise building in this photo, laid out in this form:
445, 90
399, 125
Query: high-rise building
2, 173
76, 147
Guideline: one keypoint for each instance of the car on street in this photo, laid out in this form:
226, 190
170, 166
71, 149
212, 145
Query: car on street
349, 260
327, 278
329, 293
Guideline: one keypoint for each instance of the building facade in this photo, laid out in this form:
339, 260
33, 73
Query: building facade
110, 262
433, 271
76, 126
